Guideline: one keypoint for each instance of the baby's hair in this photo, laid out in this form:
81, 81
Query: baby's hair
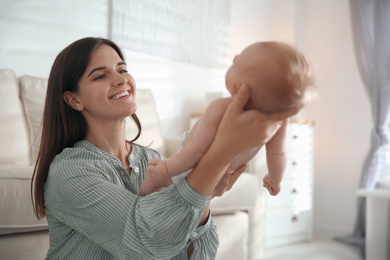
296, 76
294, 85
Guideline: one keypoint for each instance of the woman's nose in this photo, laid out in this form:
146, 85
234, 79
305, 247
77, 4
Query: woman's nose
119, 80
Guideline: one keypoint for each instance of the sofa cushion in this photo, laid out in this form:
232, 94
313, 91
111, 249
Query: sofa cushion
16, 214
12, 129
32, 94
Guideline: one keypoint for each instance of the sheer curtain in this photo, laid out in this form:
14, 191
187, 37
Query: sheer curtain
192, 31
371, 32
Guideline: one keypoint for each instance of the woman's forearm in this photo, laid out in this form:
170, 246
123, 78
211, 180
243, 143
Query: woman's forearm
209, 171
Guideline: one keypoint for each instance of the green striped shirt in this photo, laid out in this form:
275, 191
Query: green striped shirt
94, 211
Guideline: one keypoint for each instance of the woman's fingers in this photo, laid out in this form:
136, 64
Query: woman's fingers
222, 185
228, 180
234, 176
240, 99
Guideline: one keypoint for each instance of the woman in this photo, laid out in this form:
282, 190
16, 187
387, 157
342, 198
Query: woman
87, 176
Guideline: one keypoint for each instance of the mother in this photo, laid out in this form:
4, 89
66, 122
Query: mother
87, 176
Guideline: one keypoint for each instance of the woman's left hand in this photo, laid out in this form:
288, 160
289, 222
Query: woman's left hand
224, 185
228, 180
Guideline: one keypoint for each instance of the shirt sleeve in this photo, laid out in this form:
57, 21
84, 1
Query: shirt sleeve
205, 241
80, 194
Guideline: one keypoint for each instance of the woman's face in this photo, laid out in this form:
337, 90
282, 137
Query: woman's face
106, 90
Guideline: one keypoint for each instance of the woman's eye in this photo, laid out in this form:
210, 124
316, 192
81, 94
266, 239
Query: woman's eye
99, 77
123, 71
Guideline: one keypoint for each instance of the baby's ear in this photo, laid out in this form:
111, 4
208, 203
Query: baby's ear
72, 100
234, 89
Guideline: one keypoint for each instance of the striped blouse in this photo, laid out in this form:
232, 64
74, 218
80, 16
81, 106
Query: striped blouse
94, 211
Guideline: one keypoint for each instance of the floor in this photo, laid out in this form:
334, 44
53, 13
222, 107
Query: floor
318, 249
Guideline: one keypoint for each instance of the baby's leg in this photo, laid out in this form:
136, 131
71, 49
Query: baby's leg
156, 177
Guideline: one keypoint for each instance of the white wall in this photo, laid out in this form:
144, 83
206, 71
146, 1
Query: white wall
33, 32
342, 115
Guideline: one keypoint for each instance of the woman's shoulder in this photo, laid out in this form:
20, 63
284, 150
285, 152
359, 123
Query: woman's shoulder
81, 156
80, 151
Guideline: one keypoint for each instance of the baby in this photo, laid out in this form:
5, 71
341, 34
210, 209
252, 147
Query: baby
279, 81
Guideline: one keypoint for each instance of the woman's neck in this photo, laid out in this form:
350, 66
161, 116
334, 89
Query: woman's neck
110, 138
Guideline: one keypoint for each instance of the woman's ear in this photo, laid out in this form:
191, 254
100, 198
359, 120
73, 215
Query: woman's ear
72, 101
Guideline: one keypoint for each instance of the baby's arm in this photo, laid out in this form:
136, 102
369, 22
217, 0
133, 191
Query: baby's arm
276, 159
197, 141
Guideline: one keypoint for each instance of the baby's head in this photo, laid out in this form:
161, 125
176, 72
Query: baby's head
278, 76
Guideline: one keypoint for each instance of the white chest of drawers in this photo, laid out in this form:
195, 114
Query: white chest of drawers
289, 214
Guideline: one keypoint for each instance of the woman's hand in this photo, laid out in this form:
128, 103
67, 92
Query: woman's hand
241, 130
238, 131
227, 181
225, 184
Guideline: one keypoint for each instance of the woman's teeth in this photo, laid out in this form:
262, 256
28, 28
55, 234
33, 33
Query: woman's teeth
124, 93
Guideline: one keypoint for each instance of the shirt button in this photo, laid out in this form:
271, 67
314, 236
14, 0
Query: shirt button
131, 156
194, 234
136, 169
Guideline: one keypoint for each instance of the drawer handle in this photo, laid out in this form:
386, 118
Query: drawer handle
294, 219
295, 137
294, 191
294, 164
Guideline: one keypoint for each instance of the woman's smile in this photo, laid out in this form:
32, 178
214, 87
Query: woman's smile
121, 95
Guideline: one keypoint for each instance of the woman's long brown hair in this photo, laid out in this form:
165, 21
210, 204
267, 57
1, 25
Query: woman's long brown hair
63, 126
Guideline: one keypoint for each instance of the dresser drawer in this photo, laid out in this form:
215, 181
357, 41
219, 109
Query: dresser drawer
285, 198
289, 214
284, 222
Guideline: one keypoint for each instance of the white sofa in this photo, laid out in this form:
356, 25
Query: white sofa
239, 214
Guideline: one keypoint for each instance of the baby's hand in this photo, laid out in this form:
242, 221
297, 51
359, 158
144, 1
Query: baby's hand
273, 188
156, 177
157, 171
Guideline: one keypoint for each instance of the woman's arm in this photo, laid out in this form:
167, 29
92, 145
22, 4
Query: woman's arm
238, 132
198, 139
86, 195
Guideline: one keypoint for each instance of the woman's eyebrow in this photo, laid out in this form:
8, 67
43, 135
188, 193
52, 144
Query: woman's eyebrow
96, 69
102, 68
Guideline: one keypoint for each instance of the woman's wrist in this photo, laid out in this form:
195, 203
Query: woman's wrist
208, 172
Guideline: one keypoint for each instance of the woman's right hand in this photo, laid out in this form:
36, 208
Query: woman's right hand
238, 131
